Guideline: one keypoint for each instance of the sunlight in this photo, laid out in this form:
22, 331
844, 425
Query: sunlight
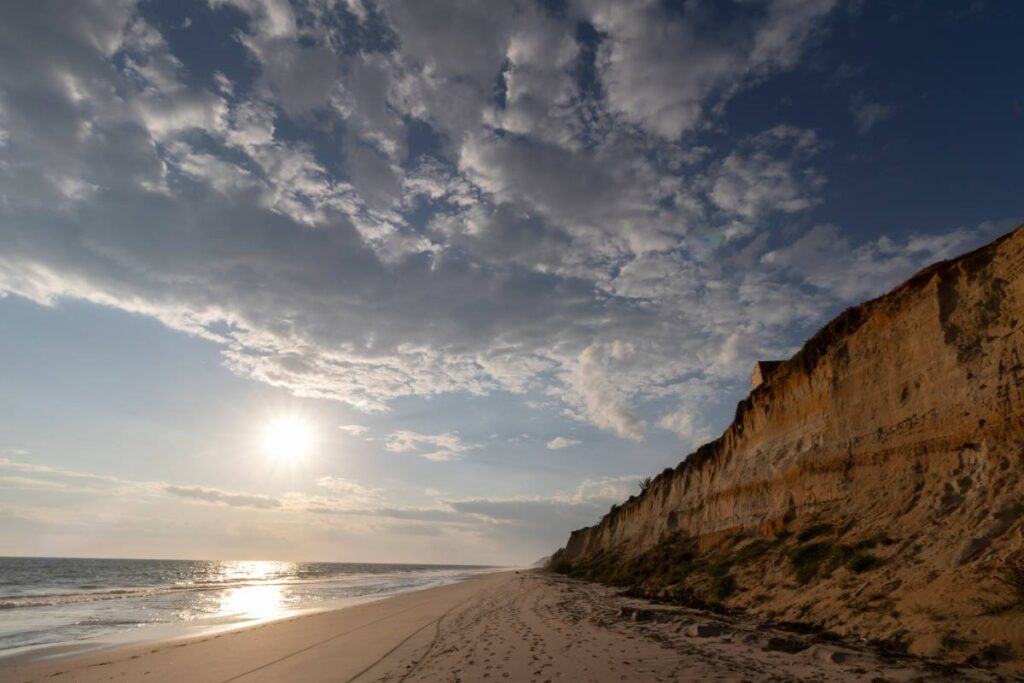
253, 602
287, 439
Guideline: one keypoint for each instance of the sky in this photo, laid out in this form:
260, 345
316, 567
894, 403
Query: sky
490, 262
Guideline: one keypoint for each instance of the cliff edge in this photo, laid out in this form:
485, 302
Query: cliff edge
872, 486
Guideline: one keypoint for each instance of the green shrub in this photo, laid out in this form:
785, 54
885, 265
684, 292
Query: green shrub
861, 561
992, 653
723, 586
679, 574
814, 531
869, 543
720, 566
807, 558
751, 551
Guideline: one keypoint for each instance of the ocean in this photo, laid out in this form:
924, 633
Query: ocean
58, 601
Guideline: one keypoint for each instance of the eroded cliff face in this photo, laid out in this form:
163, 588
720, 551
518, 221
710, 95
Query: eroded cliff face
902, 418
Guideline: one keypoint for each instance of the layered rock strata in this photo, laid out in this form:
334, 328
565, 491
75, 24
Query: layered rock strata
902, 418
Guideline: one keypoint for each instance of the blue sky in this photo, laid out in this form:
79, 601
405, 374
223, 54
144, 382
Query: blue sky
498, 260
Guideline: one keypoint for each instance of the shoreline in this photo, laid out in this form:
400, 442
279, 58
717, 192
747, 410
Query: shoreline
229, 654
176, 631
514, 625
173, 631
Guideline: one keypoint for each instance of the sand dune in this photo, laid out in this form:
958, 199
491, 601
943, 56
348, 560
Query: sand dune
525, 626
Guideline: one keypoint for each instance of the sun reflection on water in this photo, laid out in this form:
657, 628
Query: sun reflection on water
260, 601
253, 602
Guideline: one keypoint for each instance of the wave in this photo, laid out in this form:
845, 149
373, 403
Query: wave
52, 599
367, 583
71, 605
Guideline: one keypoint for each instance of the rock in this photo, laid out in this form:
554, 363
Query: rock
784, 644
708, 630
900, 409
647, 614
830, 654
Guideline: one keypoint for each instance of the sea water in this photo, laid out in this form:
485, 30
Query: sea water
53, 601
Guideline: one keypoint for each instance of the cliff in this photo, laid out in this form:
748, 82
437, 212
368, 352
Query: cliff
872, 486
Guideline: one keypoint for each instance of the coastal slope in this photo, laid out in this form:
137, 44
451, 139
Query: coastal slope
870, 487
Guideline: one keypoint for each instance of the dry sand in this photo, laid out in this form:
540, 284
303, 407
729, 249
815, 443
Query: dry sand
510, 626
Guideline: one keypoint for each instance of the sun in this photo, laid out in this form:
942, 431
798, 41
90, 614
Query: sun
287, 439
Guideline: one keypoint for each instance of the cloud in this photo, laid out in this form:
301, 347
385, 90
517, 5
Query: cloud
824, 258
353, 493
96, 506
421, 213
590, 497
354, 430
437, 447
64, 480
530, 510
373, 177
683, 424
71, 481
560, 442
597, 397
661, 70
438, 516
32, 483
767, 174
541, 520
606, 489
868, 113
216, 496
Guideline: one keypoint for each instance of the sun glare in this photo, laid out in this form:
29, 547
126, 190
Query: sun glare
287, 439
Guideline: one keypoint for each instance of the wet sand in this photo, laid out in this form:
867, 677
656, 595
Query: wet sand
511, 626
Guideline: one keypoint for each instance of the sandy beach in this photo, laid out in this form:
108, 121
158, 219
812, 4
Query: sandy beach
510, 626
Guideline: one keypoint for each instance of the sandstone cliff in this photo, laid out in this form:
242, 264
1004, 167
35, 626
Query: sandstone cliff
873, 486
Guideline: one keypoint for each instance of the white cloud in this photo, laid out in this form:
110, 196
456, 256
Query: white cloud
48, 477
543, 518
661, 71
606, 489
437, 447
98, 506
209, 495
824, 258
539, 84
683, 424
35, 475
555, 243
868, 113
598, 398
560, 442
354, 430
768, 173
352, 492
32, 483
